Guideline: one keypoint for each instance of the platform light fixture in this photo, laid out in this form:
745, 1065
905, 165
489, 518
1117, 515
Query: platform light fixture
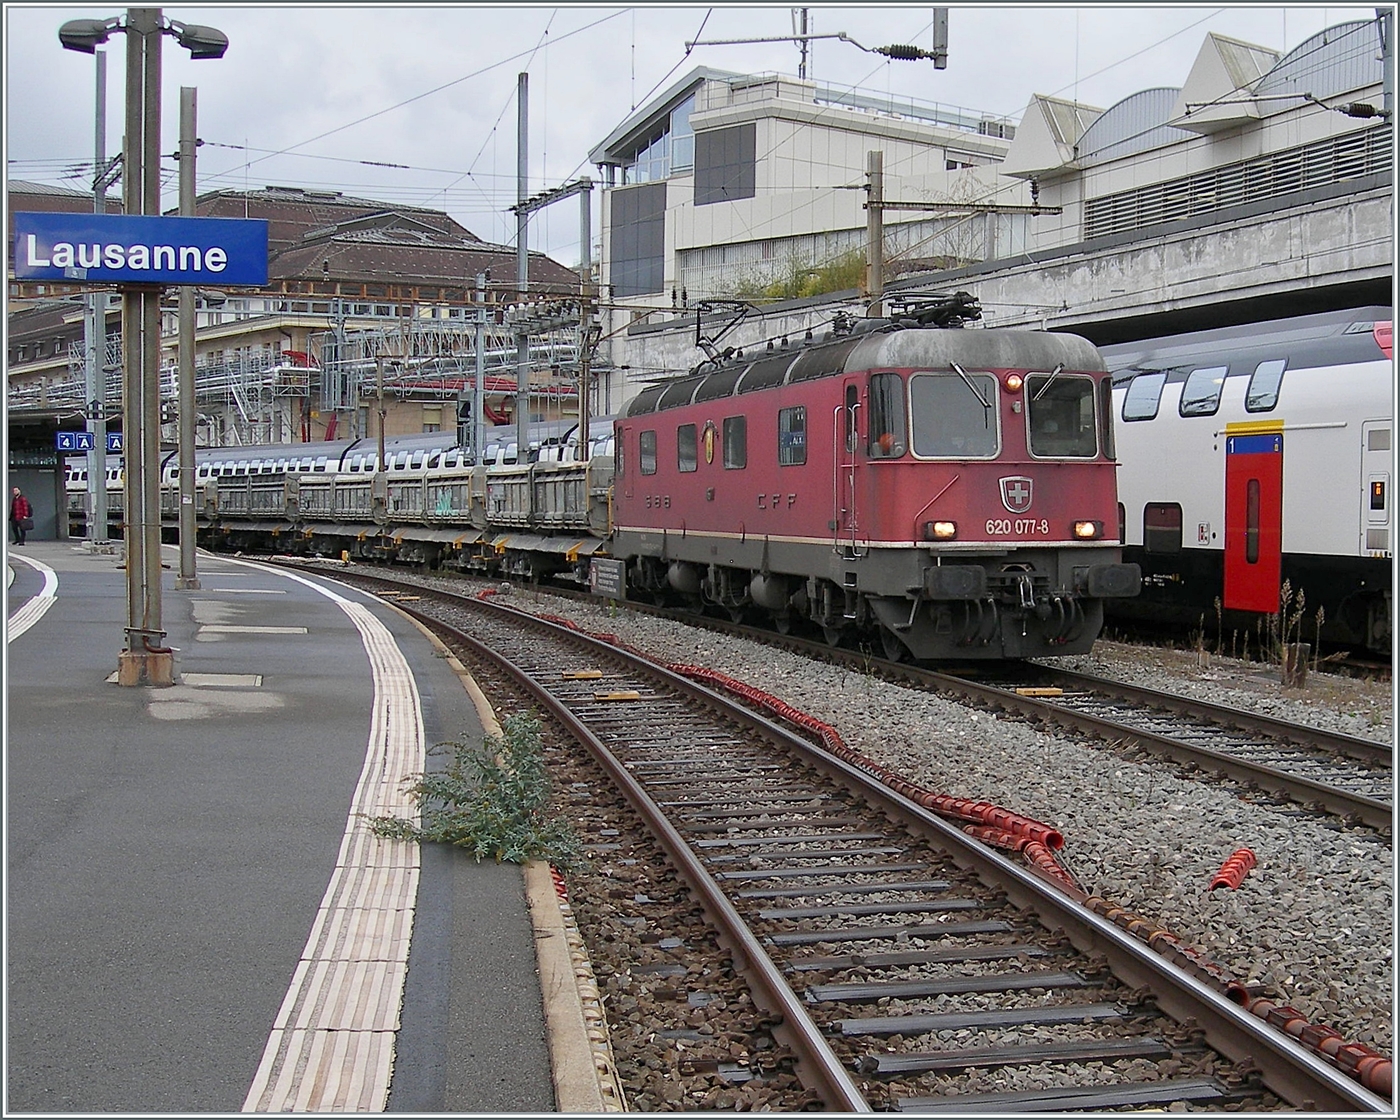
86, 35
145, 660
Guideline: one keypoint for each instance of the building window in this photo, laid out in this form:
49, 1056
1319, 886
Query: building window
792, 436
638, 243
686, 459
724, 164
682, 138
736, 443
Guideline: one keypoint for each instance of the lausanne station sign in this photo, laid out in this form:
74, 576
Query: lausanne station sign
117, 249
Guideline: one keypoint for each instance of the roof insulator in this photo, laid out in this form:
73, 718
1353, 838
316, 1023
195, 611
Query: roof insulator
903, 52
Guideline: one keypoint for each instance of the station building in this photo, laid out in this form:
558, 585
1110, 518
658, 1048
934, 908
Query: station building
1259, 187
358, 291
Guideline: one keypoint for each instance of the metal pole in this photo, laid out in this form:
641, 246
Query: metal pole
875, 232
522, 268
585, 314
133, 534
150, 398
479, 388
95, 337
379, 388
188, 580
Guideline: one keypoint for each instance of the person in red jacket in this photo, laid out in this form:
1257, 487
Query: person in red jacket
20, 513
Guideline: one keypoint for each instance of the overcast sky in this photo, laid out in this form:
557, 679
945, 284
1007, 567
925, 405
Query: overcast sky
309, 96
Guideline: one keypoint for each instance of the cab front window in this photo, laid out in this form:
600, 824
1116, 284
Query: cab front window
1060, 415
953, 415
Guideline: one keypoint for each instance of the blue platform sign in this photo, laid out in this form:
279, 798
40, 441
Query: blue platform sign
114, 441
116, 249
73, 441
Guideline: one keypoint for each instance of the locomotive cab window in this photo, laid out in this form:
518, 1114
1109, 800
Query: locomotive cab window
686, 457
646, 452
1200, 396
953, 415
1060, 415
736, 442
886, 416
1264, 383
792, 436
1143, 396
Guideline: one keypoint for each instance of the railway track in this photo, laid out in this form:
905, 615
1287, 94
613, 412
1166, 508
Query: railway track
897, 963
1323, 771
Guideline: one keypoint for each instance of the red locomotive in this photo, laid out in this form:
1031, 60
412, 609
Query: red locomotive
952, 489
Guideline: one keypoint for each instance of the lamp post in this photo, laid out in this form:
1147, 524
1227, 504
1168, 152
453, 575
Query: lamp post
145, 659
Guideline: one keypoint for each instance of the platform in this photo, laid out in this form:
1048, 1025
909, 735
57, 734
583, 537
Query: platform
199, 919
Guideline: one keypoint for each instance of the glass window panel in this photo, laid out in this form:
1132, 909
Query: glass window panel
887, 436
736, 443
686, 459
1060, 414
1143, 396
1200, 396
792, 436
952, 417
646, 452
1161, 527
1264, 383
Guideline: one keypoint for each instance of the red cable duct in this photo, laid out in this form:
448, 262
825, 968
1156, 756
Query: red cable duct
1034, 840
1234, 869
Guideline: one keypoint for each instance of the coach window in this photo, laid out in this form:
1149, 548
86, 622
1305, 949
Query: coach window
736, 443
1161, 527
792, 436
886, 416
1143, 396
953, 415
646, 452
1200, 396
1251, 521
685, 448
1060, 413
1264, 383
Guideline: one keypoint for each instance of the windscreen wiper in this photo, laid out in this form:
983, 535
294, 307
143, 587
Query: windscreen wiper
1054, 373
976, 392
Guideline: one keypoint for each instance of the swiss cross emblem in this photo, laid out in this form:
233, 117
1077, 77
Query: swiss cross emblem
1016, 493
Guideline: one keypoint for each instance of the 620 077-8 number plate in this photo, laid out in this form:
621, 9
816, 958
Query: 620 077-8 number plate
1005, 526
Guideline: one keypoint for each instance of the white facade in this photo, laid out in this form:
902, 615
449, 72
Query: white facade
1263, 186
799, 199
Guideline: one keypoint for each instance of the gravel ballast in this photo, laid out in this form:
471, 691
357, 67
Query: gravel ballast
1313, 921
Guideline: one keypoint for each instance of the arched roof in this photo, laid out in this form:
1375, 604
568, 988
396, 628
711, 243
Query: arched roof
1333, 62
1138, 123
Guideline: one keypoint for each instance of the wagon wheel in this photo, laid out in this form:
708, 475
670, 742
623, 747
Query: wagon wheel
893, 645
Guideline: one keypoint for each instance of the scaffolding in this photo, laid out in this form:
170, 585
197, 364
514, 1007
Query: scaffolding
255, 395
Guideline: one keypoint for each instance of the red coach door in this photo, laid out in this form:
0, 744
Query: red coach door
1253, 519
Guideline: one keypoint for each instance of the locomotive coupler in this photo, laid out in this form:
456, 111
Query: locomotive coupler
1027, 592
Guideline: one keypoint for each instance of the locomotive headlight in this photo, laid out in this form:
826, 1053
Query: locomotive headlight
1013, 382
940, 530
1088, 530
